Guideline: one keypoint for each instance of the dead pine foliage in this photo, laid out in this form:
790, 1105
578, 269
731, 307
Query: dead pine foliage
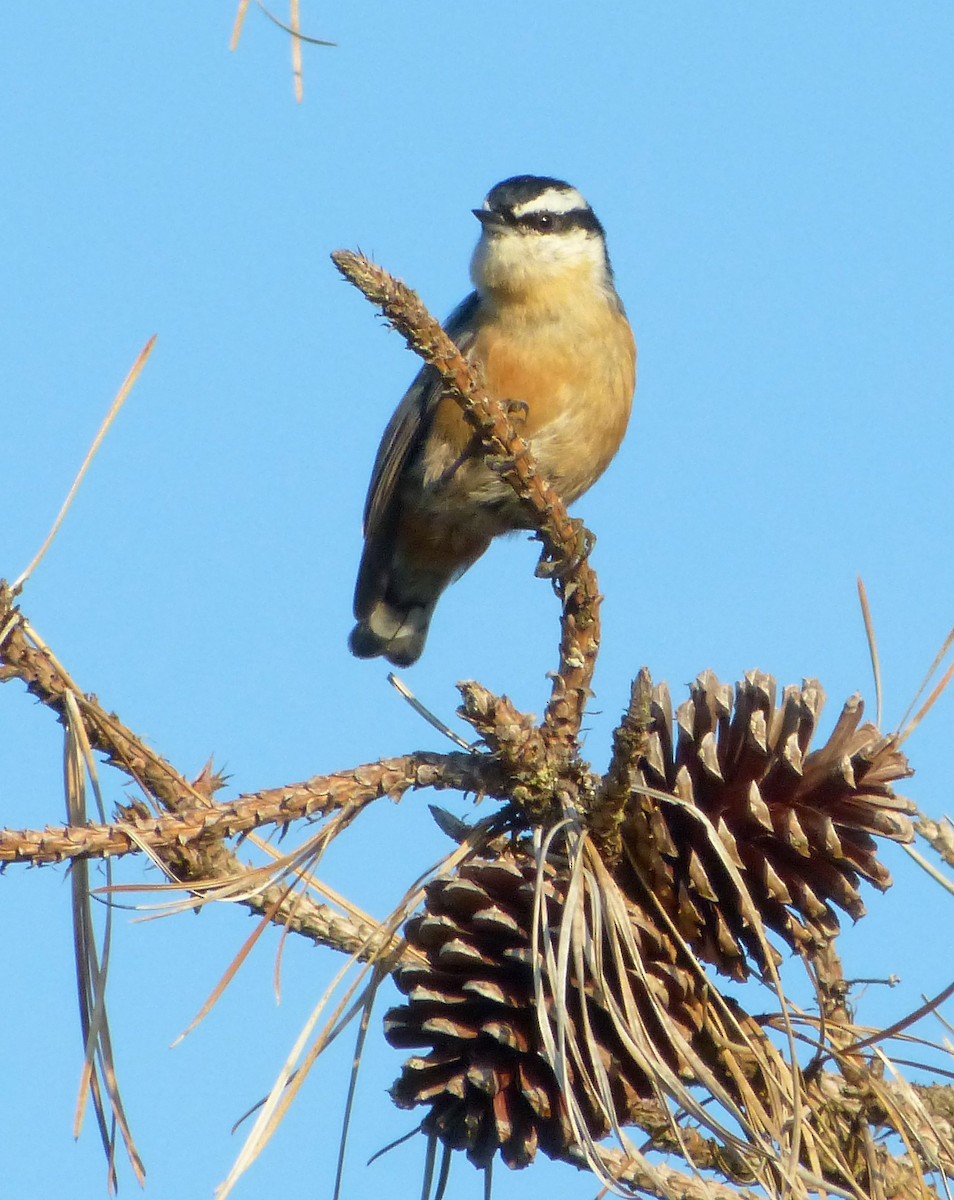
596, 971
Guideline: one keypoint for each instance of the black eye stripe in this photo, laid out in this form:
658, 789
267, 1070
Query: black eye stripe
543, 222
550, 222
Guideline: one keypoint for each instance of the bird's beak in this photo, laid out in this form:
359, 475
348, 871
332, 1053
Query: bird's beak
489, 220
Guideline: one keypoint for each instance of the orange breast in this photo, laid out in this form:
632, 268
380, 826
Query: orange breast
575, 373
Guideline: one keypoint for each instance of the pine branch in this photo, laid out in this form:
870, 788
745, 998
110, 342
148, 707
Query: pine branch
189, 839
23, 657
353, 789
566, 543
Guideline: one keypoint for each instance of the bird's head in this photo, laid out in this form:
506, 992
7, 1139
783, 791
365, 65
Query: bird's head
539, 238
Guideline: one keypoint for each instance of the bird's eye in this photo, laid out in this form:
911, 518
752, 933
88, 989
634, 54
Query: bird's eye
541, 221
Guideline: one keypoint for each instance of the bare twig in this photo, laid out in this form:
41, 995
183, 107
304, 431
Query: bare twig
630, 739
23, 656
189, 842
293, 30
565, 542
176, 833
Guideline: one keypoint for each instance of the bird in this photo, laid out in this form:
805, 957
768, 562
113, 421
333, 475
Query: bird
550, 336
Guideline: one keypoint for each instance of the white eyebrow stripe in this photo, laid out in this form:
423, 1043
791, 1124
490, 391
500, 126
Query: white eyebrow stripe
553, 200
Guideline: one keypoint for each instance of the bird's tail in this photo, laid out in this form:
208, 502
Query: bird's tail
393, 629
399, 585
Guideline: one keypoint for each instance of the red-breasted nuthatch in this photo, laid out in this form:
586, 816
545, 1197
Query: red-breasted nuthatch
551, 336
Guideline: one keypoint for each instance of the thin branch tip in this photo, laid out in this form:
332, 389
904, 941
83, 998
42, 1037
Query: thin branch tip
566, 541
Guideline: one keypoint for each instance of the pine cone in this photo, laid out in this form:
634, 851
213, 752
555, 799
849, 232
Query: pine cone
797, 823
485, 1076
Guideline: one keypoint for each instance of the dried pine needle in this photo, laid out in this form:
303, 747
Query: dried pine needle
121, 397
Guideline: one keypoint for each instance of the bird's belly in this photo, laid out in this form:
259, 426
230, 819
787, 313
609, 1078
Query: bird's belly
577, 388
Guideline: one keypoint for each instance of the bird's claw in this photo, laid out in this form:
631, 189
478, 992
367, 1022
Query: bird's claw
569, 561
517, 411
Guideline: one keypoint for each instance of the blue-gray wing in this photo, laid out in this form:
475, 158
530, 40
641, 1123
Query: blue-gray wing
408, 428
405, 433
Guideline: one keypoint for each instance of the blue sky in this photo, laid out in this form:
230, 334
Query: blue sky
776, 184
